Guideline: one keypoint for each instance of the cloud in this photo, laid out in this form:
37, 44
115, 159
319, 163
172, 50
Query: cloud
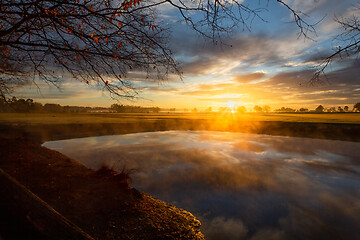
290, 86
246, 78
292, 77
238, 192
241, 51
64, 89
202, 66
269, 234
222, 228
306, 6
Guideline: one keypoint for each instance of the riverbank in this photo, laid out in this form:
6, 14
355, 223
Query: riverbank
97, 203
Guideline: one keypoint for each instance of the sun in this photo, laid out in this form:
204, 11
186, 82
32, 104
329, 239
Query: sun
231, 105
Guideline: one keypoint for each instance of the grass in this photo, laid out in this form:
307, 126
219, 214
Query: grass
121, 179
108, 118
47, 127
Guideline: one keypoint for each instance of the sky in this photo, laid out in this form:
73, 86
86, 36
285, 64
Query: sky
265, 64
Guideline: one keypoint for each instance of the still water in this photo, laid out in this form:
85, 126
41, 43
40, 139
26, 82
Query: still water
241, 186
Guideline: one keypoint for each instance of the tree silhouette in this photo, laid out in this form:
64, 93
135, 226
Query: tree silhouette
348, 42
209, 109
258, 108
357, 107
320, 108
241, 109
285, 109
98, 42
266, 108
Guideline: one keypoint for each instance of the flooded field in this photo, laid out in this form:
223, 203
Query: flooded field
241, 186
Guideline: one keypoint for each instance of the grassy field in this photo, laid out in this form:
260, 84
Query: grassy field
96, 118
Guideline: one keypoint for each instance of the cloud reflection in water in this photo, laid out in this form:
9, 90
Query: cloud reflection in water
241, 186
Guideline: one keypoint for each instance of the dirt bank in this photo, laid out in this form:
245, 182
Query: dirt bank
98, 204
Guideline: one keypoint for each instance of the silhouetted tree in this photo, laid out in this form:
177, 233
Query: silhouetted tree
133, 109
224, 109
4, 106
156, 110
51, 107
241, 109
303, 110
266, 108
285, 109
331, 109
357, 107
209, 109
346, 108
348, 41
320, 108
257, 108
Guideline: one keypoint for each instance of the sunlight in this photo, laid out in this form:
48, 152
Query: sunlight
230, 104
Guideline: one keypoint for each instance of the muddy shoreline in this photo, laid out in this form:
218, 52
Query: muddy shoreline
97, 204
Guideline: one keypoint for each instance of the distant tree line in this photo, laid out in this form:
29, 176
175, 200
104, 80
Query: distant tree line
133, 109
321, 109
30, 106
266, 108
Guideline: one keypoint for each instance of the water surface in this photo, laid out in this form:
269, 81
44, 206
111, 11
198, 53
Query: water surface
241, 186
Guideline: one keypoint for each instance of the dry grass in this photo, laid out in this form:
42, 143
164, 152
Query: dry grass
92, 118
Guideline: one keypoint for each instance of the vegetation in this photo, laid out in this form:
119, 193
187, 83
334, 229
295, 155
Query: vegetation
348, 41
288, 110
133, 109
357, 107
320, 108
258, 108
29, 106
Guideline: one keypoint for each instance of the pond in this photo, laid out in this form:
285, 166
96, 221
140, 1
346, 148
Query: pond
241, 186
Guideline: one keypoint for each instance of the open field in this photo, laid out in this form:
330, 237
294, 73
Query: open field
45, 127
93, 118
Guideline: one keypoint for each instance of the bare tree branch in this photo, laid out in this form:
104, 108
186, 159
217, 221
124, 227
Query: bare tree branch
99, 42
349, 45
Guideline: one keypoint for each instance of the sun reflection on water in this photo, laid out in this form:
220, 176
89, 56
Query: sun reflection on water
241, 186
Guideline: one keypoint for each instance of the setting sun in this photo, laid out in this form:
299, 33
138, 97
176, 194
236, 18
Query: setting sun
231, 105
